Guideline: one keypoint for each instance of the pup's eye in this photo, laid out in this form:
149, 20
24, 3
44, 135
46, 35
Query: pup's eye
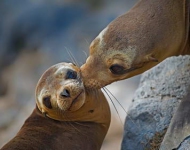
117, 69
47, 102
71, 74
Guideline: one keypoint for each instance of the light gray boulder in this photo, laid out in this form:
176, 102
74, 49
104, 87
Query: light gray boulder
160, 91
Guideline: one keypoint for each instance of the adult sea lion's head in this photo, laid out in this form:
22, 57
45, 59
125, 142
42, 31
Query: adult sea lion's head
136, 41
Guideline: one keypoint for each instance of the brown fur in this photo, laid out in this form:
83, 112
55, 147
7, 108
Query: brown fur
138, 40
42, 133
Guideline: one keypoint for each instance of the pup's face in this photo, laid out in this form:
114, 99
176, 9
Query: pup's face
60, 89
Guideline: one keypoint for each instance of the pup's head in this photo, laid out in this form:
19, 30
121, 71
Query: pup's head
60, 90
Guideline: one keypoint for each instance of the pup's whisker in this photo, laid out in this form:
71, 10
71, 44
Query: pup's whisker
86, 56
72, 56
75, 60
88, 43
71, 59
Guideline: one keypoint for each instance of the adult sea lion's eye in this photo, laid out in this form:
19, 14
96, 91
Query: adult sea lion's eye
47, 102
117, 69
71, 74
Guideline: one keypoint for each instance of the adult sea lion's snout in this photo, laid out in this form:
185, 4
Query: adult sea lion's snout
90, 76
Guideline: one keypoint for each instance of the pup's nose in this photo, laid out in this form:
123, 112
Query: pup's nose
65, 93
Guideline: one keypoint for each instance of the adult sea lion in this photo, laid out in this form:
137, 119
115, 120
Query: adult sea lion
66, 116
138, 40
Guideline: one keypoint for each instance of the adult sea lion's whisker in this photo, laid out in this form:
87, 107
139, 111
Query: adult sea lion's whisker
113, 105
116, 100
138, 126
122, 107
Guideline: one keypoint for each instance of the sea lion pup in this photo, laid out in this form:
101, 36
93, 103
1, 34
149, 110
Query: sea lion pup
138, 40
67, 117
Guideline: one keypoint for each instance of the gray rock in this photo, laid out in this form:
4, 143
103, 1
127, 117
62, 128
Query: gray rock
185, 145
159, 94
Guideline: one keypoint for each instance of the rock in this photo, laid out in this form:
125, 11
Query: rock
185, 145
160, 91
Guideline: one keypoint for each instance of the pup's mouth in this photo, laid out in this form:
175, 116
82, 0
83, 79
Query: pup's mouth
76, 100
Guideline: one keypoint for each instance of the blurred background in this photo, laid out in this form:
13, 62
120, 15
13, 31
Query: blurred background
35, 34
